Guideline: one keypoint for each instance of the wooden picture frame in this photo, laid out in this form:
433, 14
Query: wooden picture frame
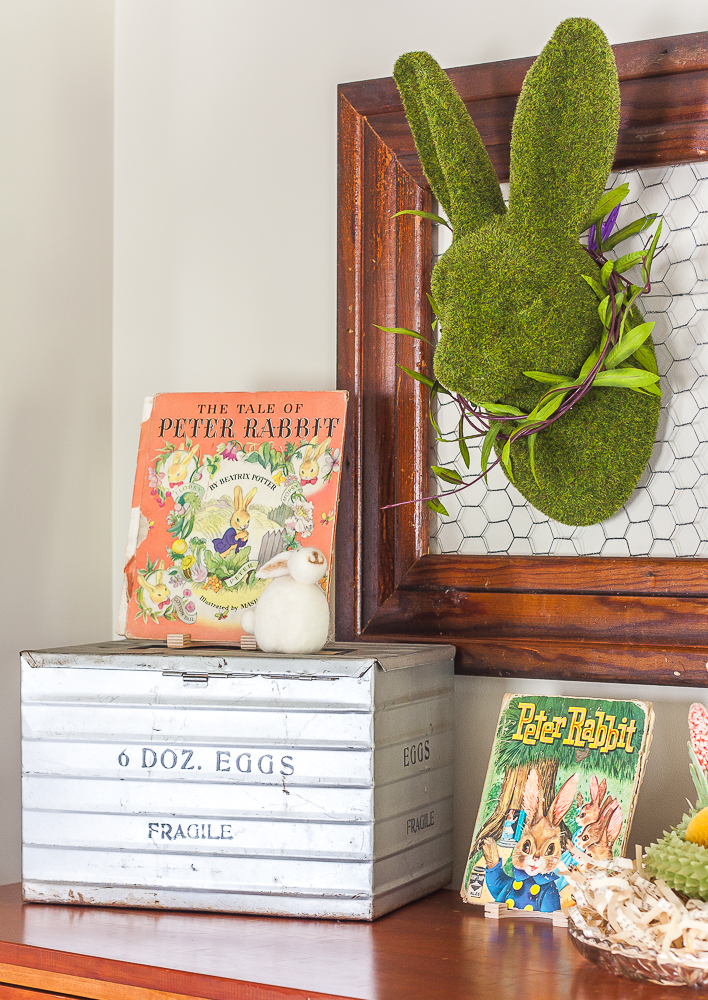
588, 618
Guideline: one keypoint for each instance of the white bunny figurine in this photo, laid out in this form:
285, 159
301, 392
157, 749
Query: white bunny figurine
292, 614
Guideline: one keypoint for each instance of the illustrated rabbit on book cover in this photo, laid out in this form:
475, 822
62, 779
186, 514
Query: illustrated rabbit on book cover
224, 482
561, 787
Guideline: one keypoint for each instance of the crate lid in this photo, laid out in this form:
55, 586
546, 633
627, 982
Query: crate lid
337, 659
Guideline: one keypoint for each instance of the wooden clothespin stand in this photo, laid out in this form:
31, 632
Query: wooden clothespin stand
179, 641
500, 911
183, 640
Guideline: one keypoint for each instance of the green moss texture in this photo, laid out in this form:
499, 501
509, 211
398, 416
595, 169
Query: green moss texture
683, 866
510, 288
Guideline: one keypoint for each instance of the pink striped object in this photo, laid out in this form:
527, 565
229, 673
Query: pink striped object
698, 727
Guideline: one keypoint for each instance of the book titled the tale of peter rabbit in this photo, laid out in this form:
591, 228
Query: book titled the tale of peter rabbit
224, 482
560, 791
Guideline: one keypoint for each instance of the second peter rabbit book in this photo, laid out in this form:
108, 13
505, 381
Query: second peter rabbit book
224, 482
561, 788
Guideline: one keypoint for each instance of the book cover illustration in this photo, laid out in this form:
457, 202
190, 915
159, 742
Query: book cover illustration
224, 482
561, 786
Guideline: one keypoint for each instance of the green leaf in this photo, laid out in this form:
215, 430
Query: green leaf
606, 271
531, 440
596, 286
629, 343
402, 330
647, 390
433, 304
464, 450
489, 439
550, 406
645, 356
591, 360
605, 205
623, 264
604, 310
628, 378
506, 459
631, 230
447, 475
549, 379
423, 215
417, 376
646, 269
437, 506
433, 419
502, 410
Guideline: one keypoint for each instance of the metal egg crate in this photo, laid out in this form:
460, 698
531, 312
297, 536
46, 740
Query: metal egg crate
215, 779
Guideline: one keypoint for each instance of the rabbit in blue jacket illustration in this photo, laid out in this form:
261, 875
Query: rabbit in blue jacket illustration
535, 857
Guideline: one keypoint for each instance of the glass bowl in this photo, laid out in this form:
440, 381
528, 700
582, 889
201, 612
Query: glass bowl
635, 964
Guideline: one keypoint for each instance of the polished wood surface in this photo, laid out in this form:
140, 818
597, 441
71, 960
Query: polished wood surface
435, 949
635, 620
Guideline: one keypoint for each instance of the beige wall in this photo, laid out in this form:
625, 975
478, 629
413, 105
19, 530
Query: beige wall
56, 93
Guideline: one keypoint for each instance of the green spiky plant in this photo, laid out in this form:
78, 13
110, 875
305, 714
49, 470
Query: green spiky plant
516, 309
682, 865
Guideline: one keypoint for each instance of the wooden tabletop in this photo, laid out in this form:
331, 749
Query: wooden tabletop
435, 949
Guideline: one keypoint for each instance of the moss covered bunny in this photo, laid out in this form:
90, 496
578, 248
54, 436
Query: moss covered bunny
510, 292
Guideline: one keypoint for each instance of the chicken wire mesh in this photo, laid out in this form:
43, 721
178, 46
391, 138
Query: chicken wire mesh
667, 515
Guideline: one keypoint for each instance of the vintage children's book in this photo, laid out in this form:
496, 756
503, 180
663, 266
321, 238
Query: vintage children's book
561, 788
224, 482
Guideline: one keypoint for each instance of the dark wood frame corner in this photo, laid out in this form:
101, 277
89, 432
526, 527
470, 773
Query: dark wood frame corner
640, 620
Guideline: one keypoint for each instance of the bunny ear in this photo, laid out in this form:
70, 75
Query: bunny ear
277, 566
615, 824
452, 154
238, 498
250, 497
565, 130
531, 795
321, 448
563, 800
594, 788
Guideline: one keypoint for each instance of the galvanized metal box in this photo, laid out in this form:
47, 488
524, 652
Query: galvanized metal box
220, 780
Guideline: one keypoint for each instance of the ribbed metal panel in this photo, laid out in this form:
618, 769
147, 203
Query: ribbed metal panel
311, 786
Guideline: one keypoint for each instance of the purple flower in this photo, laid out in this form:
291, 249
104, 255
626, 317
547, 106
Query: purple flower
330, 462
233, 454
607, 227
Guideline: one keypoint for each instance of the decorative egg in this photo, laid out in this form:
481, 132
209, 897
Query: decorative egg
697, 829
